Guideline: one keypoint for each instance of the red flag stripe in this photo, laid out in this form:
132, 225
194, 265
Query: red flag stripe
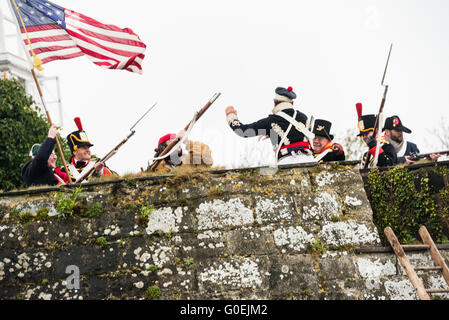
74, 23
82, 18
52, 48
49, 39
107, 38
63, 57
112, 51
107, 46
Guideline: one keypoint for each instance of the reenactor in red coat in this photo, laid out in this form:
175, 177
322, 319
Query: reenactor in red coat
387, 153
81, 160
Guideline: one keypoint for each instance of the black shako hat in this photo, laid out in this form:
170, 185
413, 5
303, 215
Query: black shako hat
366, 123
322, 128
287, 95
395, 123
78, 138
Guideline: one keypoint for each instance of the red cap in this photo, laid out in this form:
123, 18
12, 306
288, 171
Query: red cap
78, 123
166, 138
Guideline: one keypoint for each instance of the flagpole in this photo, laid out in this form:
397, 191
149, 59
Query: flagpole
36, 81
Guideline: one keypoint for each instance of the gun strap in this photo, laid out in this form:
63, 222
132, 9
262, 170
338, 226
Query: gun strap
281, 144
301, 127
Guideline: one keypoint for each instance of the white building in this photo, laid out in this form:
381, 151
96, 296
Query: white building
14, 64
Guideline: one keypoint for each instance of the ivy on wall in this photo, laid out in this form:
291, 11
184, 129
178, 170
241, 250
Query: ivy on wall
402, 199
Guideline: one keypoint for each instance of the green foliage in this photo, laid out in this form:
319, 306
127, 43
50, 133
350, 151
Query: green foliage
443, 209
153, 292
66, 204
22, 124
95, 210
101, 241
152, 268
25, 218
318, 247
188, 261
401, 199
42, 214
169, 234
145, 212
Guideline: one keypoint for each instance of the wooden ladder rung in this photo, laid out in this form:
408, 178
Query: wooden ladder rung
410, 247
437, 290
427, 268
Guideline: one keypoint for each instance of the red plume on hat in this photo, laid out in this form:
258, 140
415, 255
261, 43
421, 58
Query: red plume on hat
78, 123
358, 107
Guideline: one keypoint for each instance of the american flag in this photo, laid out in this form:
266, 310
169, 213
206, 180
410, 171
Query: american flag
57, 33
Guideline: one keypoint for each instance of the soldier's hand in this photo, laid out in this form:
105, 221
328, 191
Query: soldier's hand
408, 160
52, 132
337, 148
99, 167
434, 156
372, 142
230, 110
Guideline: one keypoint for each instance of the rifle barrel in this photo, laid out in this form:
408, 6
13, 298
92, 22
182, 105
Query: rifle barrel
382, 104
156, 163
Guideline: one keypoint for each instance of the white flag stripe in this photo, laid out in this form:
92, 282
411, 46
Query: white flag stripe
114, 45
91, 47
44, 44
50, 33
62, 52
138, 60
107, 46
76, 24
135, 69
45, 33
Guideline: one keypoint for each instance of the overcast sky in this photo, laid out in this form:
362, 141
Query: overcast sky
331, 52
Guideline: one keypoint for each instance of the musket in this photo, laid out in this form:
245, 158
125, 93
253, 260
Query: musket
155, 164
418, 156
379, 117
111, 153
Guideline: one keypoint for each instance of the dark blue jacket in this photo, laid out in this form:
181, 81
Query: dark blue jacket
272, 126
411, 148
37, 172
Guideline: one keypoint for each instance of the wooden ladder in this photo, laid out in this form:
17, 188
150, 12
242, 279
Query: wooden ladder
440, 264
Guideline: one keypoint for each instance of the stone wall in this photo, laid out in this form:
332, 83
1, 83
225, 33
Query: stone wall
240, 234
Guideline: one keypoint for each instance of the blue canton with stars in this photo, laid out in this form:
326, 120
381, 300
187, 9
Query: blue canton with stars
38, 12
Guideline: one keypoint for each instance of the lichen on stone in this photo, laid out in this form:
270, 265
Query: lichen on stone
219, 214
348, 233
